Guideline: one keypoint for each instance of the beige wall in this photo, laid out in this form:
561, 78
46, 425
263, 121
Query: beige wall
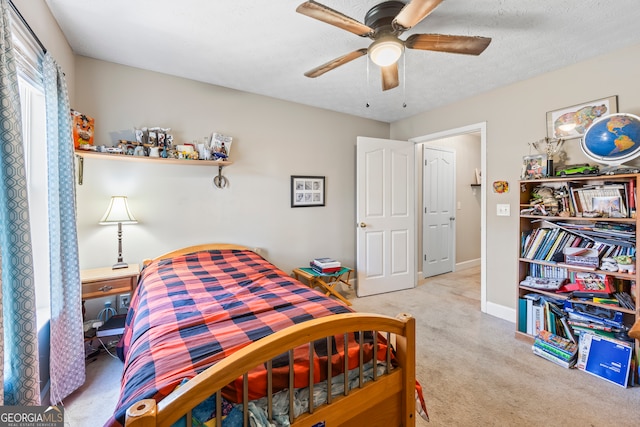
178, 205
515, 116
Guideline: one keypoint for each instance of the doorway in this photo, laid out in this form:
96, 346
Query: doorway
478, 191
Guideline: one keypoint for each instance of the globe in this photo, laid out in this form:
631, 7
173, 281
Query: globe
612, 139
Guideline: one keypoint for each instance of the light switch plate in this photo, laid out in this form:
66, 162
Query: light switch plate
503, 210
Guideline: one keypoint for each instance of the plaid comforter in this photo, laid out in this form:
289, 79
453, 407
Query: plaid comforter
192, 311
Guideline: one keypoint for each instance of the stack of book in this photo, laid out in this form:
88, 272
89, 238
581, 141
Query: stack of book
556, 349
585, 318
548, 242
325, 265
542, 312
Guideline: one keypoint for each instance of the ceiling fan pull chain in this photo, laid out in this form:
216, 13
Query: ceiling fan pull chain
367, 90
404, 81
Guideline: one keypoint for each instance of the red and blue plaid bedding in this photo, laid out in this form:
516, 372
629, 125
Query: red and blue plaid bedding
191, 311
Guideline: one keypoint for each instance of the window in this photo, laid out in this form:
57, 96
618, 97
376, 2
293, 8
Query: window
28, 56
35, 150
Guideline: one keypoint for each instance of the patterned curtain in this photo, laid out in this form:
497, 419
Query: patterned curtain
20, 345
67, 368
1, 340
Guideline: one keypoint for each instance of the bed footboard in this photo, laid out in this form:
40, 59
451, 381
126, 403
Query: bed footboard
387, 400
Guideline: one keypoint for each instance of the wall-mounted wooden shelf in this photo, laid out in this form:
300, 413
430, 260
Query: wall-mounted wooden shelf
219, 180
96, 155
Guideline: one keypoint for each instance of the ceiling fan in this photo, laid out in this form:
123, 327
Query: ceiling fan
384, 23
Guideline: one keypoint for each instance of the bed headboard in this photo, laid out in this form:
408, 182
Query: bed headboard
197, 248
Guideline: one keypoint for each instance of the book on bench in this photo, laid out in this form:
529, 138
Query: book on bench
113, 326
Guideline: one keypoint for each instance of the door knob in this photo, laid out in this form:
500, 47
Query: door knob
452, 218
362, 225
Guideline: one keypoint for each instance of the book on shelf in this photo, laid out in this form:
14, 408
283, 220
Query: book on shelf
522, 315
632, 198
590, 325
545, 244
534, 242
606, 301
538, 319
580, 331
559, 243
529, 316
625, 300
568, 330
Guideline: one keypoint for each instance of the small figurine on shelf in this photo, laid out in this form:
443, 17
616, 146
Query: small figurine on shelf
609, 264
625, 263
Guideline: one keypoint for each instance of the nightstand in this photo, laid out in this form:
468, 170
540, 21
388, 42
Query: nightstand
326, 282
104, 281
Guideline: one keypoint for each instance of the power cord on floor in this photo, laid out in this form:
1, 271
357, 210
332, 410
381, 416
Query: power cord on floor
107, 349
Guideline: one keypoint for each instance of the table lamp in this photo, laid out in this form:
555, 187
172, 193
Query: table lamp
118, 213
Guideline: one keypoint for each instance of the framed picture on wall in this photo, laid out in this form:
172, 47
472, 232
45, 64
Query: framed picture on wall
307, 191
572, 122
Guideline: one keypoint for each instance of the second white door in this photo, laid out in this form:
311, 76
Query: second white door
438, 211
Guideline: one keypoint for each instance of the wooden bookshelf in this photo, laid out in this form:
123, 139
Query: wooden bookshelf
555, 218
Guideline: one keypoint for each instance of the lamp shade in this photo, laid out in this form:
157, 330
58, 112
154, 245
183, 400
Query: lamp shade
118, 212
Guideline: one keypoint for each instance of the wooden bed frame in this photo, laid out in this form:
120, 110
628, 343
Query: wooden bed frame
388, 400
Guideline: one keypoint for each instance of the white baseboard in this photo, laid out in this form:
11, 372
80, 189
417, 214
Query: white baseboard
502, 312
468, 264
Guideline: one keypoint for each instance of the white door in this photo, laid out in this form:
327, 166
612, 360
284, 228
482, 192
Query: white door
385, 213
438, 211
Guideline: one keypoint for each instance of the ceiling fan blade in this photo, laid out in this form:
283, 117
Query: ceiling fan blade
414, 12
318, 71
326, 14
444, 43
390, 76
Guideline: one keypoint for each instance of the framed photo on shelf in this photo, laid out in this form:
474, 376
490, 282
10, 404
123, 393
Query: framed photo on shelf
610, 205
307, 191
534, 166
572, 122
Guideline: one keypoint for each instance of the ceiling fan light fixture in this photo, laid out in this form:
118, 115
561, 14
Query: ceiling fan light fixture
386, 51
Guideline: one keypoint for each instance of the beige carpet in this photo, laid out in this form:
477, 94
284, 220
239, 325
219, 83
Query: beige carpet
473, 371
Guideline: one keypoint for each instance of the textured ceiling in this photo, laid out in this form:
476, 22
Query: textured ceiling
264, 47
